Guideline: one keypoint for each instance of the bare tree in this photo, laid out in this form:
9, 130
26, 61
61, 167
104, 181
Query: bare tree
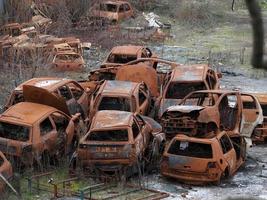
254, 9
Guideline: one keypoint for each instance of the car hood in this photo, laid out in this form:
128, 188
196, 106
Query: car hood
184, 109
42, 96
166, 103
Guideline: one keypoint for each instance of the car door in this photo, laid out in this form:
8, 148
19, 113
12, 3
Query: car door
228, 152
143, 99
121, 12
128, 11
81, 97
138, 138
48, 134
65, 130
72, 104
252, 114
145, 130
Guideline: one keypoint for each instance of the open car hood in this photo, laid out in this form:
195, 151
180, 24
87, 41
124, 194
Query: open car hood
184, 109
42, 96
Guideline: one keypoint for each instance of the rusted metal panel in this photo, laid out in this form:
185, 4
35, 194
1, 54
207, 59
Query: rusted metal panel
139, 73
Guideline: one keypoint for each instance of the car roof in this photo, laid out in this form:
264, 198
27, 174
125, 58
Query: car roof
111, 118
215, 91
206, 139
195, 72
126, 49
119, 87
48, 83
115, 2
262, 97
26, 113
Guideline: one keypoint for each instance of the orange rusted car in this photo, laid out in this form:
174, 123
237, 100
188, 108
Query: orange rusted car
67, 61
121, 95
55, 92
183, 80
203, 160
31, 132
202, 112
119, 141
5, 170
112, 11
121, 55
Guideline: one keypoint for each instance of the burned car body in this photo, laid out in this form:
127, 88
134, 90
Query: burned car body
117, 141
121, 55
121, 95
112, 11
31, 132
203, 112
66, 91
5, 171
67, 61
203, 160
183, 80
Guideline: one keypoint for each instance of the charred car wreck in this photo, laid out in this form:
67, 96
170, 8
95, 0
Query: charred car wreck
119, 141
203, 112
33, 133
121, 95
58, 92
197, 160
183, 80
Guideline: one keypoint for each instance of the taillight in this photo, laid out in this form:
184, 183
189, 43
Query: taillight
212, 165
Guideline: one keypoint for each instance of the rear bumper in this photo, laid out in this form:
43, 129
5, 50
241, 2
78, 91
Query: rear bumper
192, 177
105, 165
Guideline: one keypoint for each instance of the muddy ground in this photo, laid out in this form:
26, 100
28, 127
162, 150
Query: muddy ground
227, 47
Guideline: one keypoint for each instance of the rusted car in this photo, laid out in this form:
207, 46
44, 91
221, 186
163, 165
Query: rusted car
121, 55
5, 171
121, 95
33, 133
183, 80
119, 141
49, 91
203, 160
112, 11
204, 112
67, 61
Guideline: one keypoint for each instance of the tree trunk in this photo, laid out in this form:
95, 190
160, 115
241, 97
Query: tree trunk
257, 60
